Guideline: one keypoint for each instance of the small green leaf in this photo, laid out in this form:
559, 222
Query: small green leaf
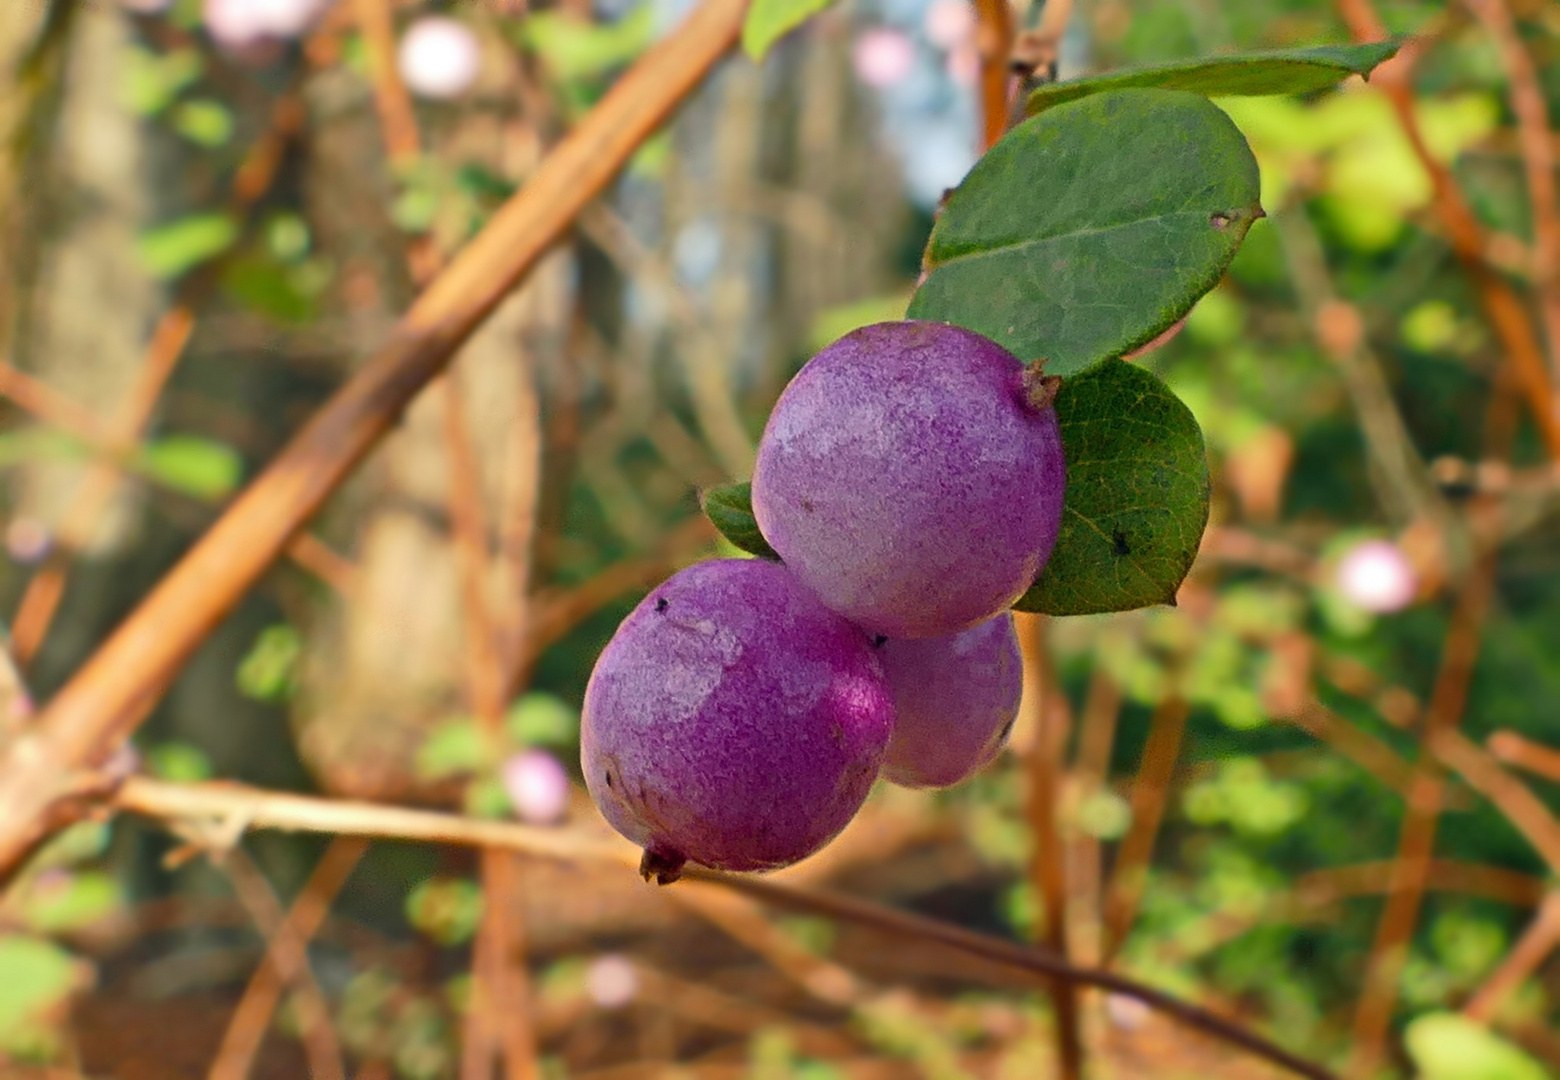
447, 910
730, 509
1446, 1046
199, 468
1137, 495
1093, 227
69, 902
39, 976
268, 289
269, 671
574, 48
453, 748
540, 719
172, 249
833, 323
204, 122
1278, 71
179, 762
770, 20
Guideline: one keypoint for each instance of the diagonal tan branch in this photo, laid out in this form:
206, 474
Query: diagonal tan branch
113, 691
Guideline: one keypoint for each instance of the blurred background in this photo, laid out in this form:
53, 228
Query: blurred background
1319, 796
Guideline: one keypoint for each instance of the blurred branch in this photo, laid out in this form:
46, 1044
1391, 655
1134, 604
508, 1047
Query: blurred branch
1510, 748
994, 41
288, 956
704, 362
1525, 810
1049, 710
40, 600
1539, 940
113, 691
228, 810
1405, 489
1150, 792
1416, 841
246, 1030
1538, 159
1507, 315
1370, 753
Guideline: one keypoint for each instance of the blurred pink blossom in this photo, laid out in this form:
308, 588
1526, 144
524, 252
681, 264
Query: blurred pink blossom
240, 24
537, 786
1377, 577
612, 981
27, 539
883, 57
949, 23
439, 58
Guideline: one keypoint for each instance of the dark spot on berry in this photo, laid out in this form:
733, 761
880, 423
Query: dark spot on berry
807, 505
1007, 729
879, 641
661, 604
1118, 542
609, 779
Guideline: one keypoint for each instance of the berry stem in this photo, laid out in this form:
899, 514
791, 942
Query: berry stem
1040, 389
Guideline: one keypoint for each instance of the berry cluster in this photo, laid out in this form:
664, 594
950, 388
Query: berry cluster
911, 479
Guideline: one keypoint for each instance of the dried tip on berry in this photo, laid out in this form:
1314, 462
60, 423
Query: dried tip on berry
1040, 389
664, 866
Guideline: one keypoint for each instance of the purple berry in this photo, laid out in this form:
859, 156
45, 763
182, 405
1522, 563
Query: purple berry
955, 700
733, 721
912, 476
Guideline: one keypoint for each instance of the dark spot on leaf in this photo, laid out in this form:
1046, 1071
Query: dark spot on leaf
661, 604
1118, 543
1220, 221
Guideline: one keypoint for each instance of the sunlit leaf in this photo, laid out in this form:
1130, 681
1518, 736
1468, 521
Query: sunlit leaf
1279, 71
1092, 228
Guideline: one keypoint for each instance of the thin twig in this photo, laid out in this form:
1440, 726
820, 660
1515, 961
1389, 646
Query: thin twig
1537, 942
1150, 792
290, 957
246, 1029
239, 807
1527, 755
994, 40
114, 690
1416, 841
1507, 315
1091, 769
1048, 873
1538, 160
1515, 800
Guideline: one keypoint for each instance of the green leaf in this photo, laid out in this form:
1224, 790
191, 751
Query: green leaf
269, 670
71, 901
204, 122
540, 719
199, 468
770, 20
170, 250
1137, 495
447, 910
1446, 1046
1277, 71
39, 976
574, 48
263, 286
453, 748
1091, 228
730, 509
179, 762
833, 323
